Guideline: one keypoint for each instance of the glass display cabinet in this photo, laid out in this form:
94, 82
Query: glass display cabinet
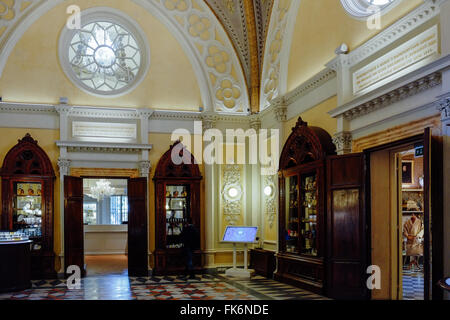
177, 194
177, 213
27, 202
302, 207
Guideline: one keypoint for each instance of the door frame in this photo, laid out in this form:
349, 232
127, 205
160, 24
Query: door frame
437, 238
82, 177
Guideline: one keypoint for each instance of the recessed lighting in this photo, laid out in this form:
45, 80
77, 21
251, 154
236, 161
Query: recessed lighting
268, 191
233, 192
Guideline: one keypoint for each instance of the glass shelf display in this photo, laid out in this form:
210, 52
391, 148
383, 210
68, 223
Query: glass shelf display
308, 212
13, 236
292, 219
27, 210
177, 214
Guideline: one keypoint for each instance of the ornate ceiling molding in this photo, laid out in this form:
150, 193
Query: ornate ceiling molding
195, 25
394, 96
428, 10
277, 50
219, 73
315, 82
77, 146
15, 19
246, 22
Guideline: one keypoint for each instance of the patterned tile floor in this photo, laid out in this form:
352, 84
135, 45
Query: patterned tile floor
413, 284
203, 287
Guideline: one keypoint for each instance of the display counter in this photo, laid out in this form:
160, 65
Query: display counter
15, 265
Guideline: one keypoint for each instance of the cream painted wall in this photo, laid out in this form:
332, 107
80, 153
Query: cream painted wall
33, 72
317, 116
321, 26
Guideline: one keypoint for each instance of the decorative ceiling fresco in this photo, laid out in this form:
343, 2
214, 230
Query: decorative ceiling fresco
246, 22
234, 89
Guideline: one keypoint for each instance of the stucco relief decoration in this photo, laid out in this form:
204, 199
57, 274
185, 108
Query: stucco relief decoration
270, 200
218, 59
271, 71
200, 27
7, 9
10, 12
232, 194
179, 5
228, 93
214, 49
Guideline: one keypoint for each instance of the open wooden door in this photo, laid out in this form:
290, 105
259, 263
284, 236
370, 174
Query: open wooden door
73, 223
137, 228
433, 215
347, 228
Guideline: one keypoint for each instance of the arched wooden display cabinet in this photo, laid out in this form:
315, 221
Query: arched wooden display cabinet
302, 207
27, 201
177, 194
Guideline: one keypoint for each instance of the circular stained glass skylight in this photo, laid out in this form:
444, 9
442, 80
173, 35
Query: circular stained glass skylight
106, 56
365, 8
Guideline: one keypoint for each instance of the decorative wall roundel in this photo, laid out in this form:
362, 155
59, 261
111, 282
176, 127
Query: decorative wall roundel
365, 8
108, 56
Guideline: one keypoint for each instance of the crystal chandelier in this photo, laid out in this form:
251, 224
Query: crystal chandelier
102, 189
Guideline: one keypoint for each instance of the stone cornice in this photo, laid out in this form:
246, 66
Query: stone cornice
419, 16
411, 84
394, 96
79, 146
12, 107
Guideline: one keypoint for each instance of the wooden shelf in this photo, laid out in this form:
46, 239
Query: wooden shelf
412, 190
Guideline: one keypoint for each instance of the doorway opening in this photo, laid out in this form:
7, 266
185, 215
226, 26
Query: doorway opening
411, 223
105, 220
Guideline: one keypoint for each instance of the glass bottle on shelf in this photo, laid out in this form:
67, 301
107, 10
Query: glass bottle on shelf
308, 214
176, 214
292, 218
27, 210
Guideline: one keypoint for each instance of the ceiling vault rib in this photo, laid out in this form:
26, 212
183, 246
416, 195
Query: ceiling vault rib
254, 87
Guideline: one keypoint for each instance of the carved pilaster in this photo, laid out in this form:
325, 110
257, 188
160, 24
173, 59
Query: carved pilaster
144, 168
145, 113
255, 122
63, 109
64, 167
209, 121
280, 109
343, 142
443, 106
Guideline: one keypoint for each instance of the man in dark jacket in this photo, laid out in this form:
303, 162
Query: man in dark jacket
191, 241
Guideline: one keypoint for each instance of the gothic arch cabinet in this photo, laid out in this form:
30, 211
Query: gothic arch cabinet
302, 204
27, 201
177, 194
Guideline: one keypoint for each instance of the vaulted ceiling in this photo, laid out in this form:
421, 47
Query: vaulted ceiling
247, 23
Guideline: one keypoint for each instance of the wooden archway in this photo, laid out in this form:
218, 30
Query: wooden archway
186, 175
28, 163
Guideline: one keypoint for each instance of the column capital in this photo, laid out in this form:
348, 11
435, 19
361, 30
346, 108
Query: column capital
145, 113
145, 168
443, 105
279, 106
343, 141
64, 167
63, 109
209, 121
255, 122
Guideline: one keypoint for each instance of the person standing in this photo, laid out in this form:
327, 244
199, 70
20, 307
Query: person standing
191, 240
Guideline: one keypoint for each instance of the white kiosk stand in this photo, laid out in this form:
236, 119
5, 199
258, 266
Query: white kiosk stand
237, 235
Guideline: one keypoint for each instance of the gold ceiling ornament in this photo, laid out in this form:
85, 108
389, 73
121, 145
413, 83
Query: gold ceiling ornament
7, 11
230, 5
